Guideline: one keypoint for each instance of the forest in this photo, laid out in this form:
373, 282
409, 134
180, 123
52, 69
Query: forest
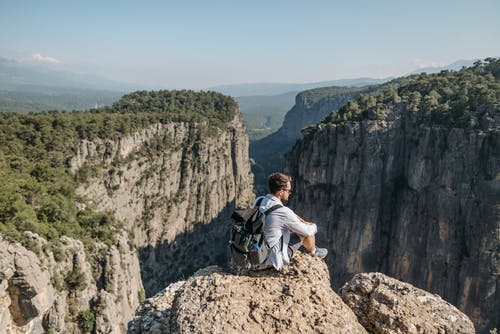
448, 99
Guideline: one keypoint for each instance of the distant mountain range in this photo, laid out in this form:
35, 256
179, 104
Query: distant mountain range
18, 76
452, 67
26, 87
30, 88
264, 105
267, 89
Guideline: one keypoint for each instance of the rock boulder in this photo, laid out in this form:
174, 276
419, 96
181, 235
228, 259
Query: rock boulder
386, 305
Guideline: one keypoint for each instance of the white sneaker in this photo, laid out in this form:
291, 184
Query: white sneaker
320, 252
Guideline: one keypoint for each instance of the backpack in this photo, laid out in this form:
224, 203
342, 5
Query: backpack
248, 248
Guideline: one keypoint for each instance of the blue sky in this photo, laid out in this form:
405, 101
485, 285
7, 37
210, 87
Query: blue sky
198, 44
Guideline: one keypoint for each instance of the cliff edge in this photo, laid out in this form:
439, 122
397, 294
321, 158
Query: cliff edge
297, 300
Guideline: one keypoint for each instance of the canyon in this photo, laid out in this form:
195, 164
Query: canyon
311, 106
405, 199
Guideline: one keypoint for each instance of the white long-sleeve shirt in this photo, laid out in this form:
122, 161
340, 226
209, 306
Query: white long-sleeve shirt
279, 225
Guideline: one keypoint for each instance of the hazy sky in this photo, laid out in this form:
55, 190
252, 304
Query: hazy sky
197, 44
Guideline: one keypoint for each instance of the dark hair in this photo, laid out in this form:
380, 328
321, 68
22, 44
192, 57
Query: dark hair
277, 181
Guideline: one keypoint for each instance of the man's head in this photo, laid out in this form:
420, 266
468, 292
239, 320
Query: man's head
280, 185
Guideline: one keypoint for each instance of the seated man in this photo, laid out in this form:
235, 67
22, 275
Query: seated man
282, 222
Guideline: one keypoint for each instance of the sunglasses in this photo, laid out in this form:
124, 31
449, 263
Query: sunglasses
289, 191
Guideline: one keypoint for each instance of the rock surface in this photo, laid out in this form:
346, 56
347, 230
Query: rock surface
160, 180
25, 290
38, 293
171, 188
386, 305
297, 300
416, 202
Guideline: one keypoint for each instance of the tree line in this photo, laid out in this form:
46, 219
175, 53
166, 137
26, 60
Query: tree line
449, 98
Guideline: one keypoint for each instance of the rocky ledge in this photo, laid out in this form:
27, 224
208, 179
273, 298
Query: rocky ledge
297, 300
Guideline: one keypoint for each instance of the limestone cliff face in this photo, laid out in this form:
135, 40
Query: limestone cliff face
161, 180
417, 202
39, 293
173, 187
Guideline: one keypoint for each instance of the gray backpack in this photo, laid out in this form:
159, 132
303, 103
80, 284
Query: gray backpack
247, 244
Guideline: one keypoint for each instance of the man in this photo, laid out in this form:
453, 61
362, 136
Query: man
282, 222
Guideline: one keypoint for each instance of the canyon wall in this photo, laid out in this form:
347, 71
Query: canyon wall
43, 292
415, 201
173, 194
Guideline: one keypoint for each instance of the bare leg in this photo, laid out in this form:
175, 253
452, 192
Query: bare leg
308, 242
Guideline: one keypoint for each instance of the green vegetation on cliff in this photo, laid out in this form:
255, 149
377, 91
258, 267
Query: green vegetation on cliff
450, 99
38, 190
312, 96
184, 106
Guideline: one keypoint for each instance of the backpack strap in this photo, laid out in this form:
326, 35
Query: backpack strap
257, 204
271, 209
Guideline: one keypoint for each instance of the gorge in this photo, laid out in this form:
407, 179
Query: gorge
310, 107
103, 209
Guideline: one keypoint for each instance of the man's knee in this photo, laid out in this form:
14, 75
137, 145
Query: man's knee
308, 238
308, 242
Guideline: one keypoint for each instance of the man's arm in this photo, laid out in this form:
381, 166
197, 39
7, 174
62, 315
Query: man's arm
302, 220
298, 225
